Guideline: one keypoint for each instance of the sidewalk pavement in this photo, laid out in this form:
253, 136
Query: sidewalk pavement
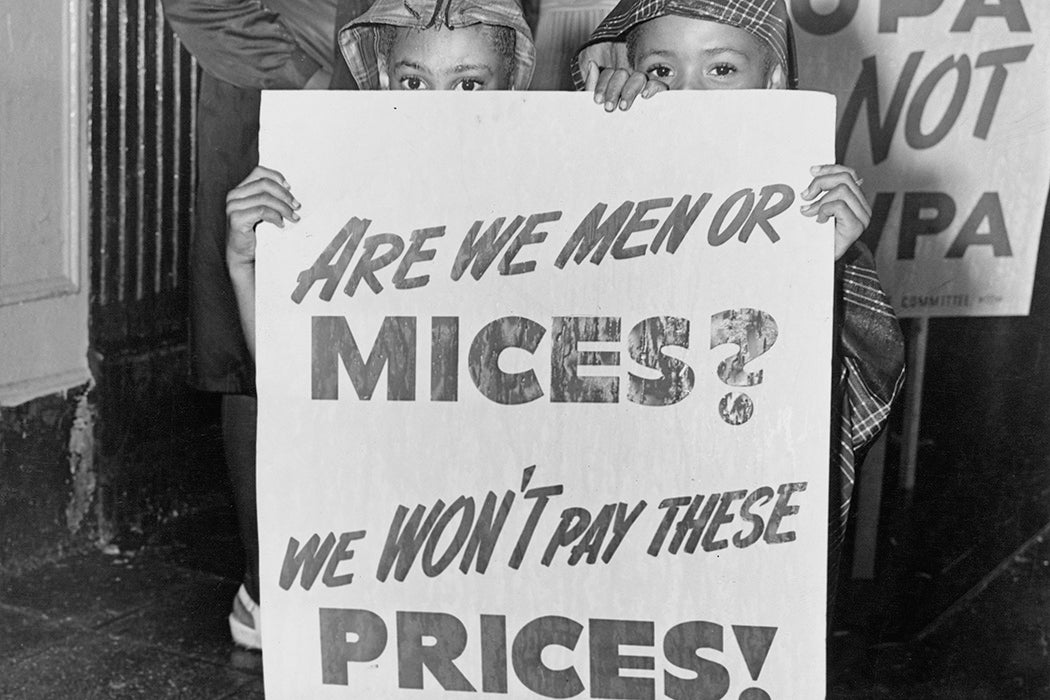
151, 623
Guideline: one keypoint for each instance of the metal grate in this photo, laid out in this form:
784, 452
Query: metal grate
143, 102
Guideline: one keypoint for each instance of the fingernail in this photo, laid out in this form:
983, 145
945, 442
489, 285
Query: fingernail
814, 169
295, 203
598, 99
623, 105
295, 217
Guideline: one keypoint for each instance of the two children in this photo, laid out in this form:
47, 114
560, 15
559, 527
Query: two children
643, 47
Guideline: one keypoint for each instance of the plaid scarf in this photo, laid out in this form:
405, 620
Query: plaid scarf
359, 38
766, 20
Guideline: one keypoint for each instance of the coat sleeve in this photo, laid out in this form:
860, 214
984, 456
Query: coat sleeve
871, 348
241, 42
870, 355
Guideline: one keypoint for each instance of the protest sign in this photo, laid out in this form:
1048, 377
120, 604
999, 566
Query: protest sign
544, 397
944, 109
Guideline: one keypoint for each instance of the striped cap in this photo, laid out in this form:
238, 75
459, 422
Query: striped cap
766, 20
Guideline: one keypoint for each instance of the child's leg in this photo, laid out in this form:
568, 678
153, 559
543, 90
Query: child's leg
238, 436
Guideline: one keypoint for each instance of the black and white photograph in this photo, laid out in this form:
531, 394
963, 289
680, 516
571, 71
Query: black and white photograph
570, 388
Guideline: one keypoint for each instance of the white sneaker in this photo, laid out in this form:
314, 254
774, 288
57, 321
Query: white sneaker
246, 621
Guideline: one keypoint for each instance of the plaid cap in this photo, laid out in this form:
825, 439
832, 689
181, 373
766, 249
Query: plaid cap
359, 39
766, 20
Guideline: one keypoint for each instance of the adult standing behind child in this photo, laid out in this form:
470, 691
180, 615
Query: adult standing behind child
648, 46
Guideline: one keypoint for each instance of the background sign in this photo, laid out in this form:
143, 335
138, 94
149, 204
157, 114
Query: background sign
944, 109
544, 397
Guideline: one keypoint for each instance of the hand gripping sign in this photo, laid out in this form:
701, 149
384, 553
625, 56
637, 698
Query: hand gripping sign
544, 397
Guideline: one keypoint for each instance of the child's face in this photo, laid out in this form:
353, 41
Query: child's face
465, 58
694, 54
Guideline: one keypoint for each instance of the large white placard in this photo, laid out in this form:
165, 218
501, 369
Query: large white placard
544, 397
944, 108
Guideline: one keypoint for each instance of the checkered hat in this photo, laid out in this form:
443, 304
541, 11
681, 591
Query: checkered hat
359, 38
766, 20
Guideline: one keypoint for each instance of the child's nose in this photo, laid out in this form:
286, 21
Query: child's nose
694, 80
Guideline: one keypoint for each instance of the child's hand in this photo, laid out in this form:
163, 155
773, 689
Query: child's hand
619, 87
262, 196
842, 200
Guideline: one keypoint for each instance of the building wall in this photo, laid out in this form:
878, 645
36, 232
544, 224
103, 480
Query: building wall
154, 434
86, 458
47, 477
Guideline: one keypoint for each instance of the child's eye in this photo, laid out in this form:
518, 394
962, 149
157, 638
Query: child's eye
659, 71
723, 70
469, 85
413, 83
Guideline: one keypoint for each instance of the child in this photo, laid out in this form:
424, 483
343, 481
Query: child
445, 45
647, 46
397, 45
442, 45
